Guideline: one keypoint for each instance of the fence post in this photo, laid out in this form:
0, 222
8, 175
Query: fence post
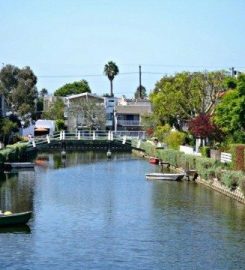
48, 139
78, 135
138, 143
124, 139
93, 135
33, 143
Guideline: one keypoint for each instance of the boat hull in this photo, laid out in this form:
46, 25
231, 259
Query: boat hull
164, 176
15, 219
154, 161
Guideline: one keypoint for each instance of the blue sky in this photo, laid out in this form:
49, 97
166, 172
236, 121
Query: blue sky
67, 40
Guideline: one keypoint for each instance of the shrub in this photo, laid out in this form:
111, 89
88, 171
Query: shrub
162, 131
205, 151
174, 139
231, 179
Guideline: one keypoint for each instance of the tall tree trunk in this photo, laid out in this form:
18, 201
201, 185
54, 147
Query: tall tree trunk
112, 95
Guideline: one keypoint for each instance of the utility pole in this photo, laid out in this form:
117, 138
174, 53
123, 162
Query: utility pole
140, 86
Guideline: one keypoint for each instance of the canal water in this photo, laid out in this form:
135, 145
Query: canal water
94, 213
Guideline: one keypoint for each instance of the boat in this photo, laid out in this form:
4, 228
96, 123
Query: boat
154, 160
15, 219
165, 176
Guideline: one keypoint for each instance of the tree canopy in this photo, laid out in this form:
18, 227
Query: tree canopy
19, 89
74, 88
229, 114
56, 110
184, 95
111, 70
140, 92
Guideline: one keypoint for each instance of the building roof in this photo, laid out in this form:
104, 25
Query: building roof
86, 94
133, 109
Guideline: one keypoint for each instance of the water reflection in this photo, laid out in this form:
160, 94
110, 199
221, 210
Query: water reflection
103, 214
16, 191
22, 229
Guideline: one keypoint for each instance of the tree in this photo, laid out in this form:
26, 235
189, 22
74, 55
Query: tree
181, 97
7, 127
140, 92
56, 110
73, 89
202, 127
229, 114
43, 92
89, 114
19, 89
111, 70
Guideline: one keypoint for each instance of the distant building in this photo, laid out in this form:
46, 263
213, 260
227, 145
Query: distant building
129, 113
77, 121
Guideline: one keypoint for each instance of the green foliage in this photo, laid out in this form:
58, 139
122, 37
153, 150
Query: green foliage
7, 128
185, 94
60, 124
205, 151
140, 92
230, 113
162, 131
56, 110
232, 179
111, 70
73, 89
207, 168
19, 89
230, 83
174, 139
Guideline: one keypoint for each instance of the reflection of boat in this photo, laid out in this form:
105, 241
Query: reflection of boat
165, 176
15, 219
40, 162
23, 229
154, 160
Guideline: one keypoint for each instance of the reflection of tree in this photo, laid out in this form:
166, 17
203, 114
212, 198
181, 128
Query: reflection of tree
16, 192
195, 203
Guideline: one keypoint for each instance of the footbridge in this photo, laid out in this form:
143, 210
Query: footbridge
86, 140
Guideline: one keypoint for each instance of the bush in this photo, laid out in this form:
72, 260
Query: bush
231, 179
205, 151
162, 131
174, 139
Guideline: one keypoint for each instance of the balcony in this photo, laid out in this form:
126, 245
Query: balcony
128, 123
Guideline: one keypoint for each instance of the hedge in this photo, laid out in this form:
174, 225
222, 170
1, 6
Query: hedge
207, 168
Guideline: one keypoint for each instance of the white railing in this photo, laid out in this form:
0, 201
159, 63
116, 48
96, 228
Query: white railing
128, 122
87, 135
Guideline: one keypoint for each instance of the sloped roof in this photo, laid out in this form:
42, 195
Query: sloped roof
86, 94
133, 109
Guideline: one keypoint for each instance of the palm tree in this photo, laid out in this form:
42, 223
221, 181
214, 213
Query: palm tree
111, 70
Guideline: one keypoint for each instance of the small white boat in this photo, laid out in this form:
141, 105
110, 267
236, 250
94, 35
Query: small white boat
165, 176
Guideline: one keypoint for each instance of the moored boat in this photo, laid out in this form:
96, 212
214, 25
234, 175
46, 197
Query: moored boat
15, 219
154, 160
165, 176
